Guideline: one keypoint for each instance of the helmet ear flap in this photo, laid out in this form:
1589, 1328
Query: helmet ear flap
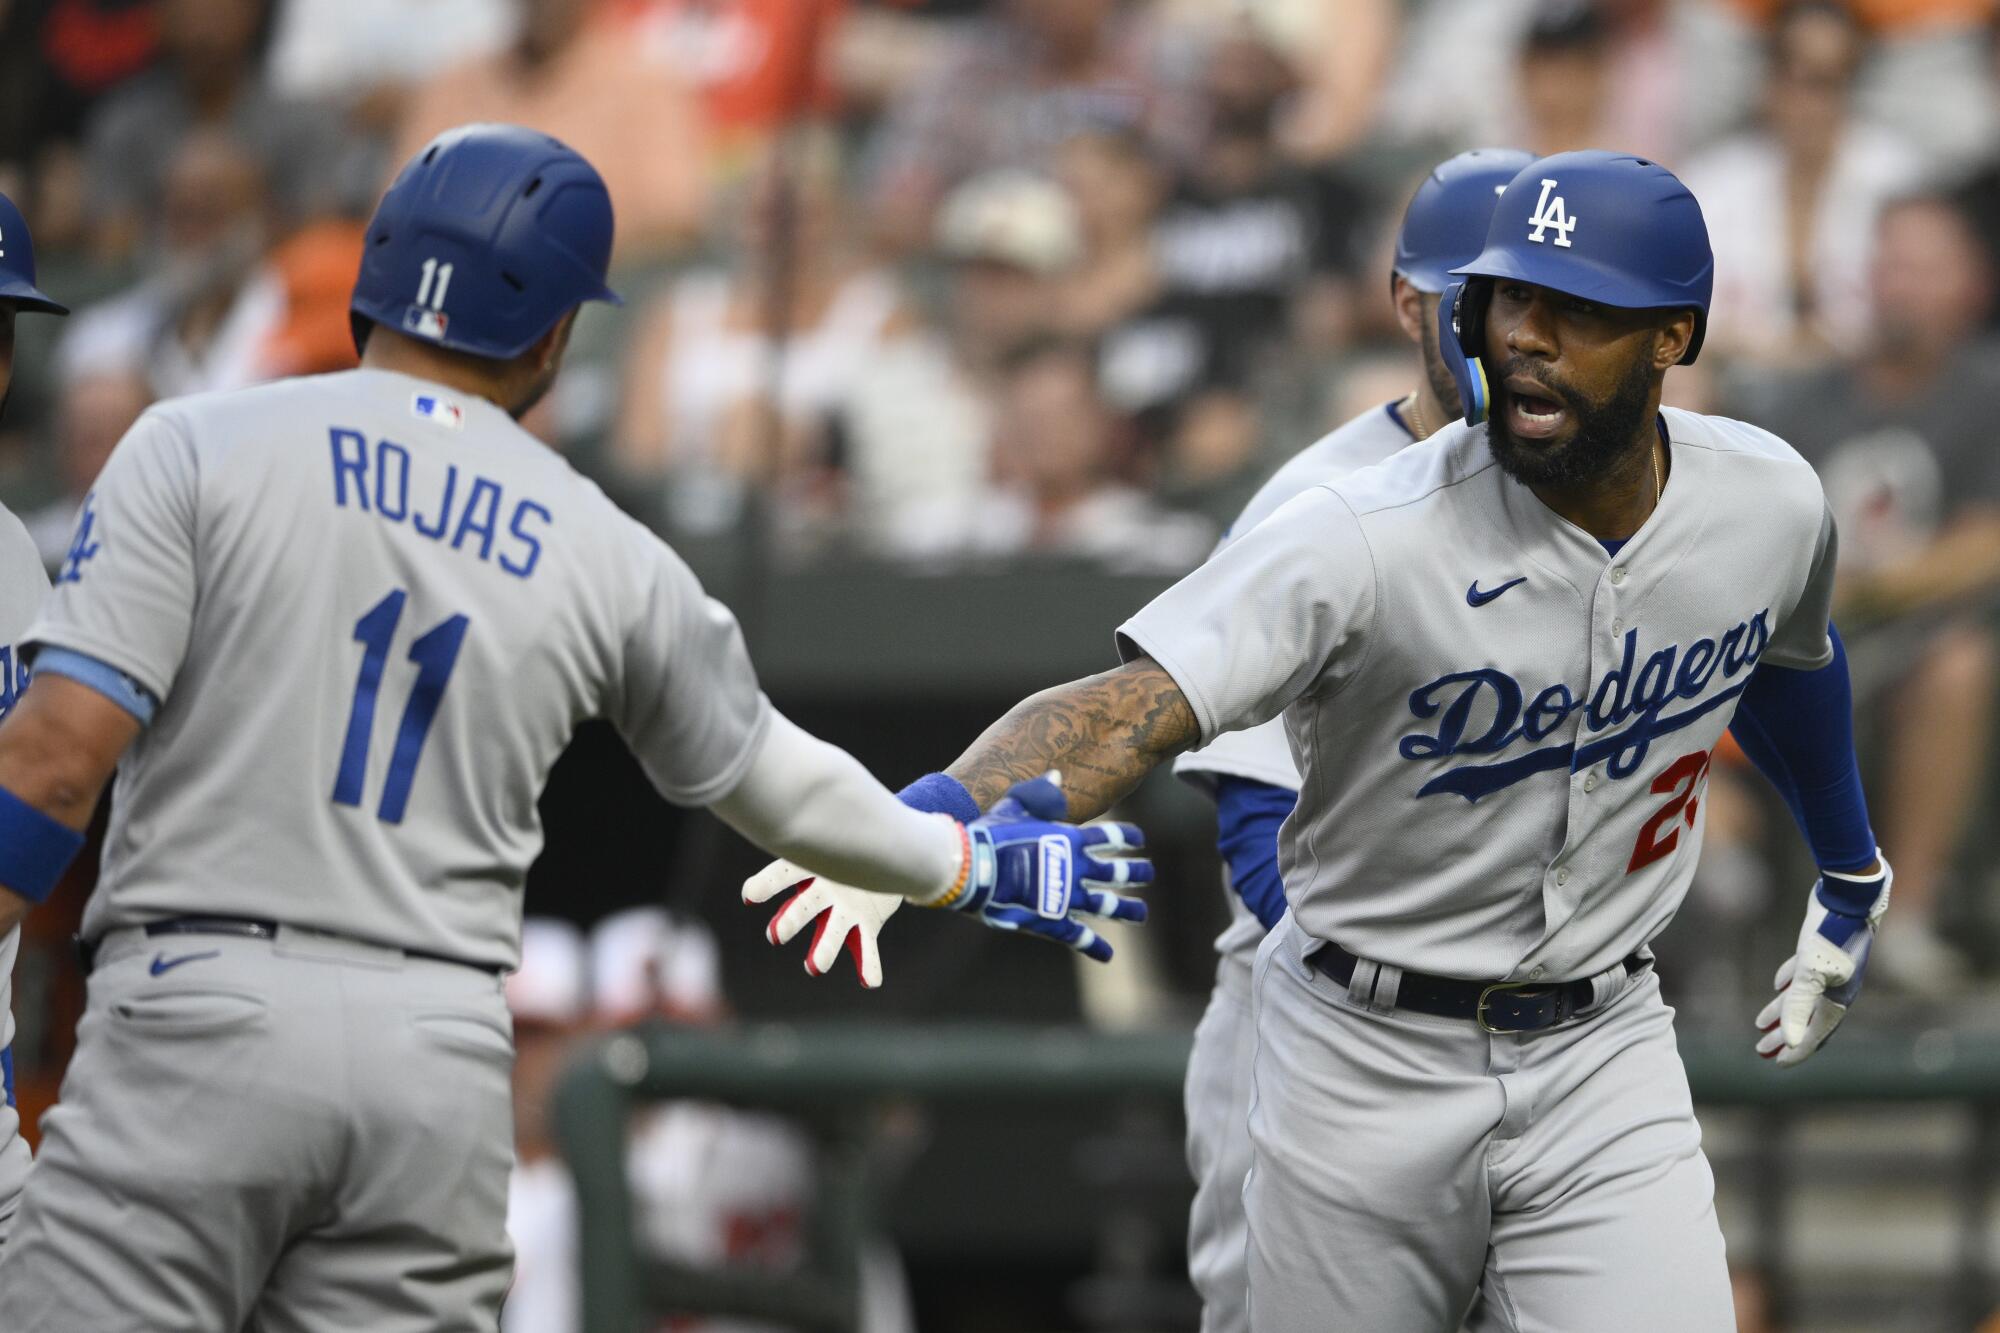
1461, 325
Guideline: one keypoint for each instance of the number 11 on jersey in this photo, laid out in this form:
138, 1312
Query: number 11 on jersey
435, 652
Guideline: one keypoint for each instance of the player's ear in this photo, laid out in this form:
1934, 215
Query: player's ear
1413, 307
548, 349
1672, 344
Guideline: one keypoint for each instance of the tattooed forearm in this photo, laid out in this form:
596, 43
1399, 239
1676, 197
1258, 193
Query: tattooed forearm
1103, 732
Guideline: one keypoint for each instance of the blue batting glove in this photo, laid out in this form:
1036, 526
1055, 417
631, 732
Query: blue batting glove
1033, 873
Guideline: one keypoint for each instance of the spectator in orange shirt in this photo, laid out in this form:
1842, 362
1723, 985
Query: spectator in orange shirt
757, 65
581, 76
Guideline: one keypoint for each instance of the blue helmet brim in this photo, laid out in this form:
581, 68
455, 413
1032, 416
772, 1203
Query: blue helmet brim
1574, 275
26, 296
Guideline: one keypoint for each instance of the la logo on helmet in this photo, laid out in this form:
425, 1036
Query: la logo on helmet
1549, 212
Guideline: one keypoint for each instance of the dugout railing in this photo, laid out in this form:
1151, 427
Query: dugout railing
835, 1078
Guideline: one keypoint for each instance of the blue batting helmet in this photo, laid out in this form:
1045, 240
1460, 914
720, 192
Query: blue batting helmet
1445, 224
484, 240
17, 263
1607, 227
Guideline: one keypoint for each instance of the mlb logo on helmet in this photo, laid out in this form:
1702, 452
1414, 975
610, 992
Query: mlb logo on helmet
425, 322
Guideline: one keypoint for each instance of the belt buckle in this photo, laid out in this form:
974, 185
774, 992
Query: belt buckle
1523, 988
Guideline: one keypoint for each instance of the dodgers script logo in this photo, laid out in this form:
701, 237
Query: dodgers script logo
1551, 212
1484, 712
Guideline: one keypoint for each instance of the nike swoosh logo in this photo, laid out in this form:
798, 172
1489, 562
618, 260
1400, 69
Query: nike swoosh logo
163, 964
1474, 597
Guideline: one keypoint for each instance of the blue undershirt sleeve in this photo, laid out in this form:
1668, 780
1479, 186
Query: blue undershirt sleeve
1247, 817
107, 680
941, 794
1797, 727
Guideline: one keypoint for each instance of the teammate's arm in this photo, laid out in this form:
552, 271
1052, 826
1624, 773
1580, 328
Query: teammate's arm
1248, 815
1102, 733
58, 748
814, 804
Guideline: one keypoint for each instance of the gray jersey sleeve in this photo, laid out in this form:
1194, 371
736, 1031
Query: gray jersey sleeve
689, 705
1283, 611
1801, 640
126, 591
24, 583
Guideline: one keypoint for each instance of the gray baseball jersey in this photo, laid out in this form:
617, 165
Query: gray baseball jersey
24, 586
1503, 732
373, 611
1261, 753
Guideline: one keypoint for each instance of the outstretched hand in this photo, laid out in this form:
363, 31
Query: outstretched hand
1034, 874
848, 918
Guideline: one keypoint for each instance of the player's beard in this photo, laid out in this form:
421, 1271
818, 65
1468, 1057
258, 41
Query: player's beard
1443, 386
1605, 432
534, 393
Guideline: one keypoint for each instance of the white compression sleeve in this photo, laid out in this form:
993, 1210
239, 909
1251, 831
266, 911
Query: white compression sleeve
814, 804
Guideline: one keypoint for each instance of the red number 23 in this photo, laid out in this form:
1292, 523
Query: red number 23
1659, 837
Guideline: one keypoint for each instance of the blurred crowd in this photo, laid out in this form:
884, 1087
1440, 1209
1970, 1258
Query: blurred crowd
959, 284
954, 283
712, 1186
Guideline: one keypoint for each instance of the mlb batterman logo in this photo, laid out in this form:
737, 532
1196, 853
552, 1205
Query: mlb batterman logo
443, 411
427, 323
1055, 876
1550, 212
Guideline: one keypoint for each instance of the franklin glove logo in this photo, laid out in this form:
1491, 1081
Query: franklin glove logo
1056, 872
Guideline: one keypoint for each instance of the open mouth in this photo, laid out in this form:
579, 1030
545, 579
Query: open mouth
1534, 416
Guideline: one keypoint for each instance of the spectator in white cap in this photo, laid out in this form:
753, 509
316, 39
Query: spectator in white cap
647, 963
920, 420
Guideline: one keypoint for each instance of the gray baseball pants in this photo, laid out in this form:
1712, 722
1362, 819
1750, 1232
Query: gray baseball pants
1409, 1171
1217, 1100
297, 1135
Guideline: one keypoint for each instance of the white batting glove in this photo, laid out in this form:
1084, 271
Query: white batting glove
847, 917
1817, 984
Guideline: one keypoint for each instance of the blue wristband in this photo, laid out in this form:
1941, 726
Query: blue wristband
34, 849
941, 794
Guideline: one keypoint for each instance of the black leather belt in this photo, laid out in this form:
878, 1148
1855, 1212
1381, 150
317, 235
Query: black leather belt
1497, 1006
249, 928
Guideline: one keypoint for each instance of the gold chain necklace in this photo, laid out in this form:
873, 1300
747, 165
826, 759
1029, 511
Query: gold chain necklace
1417, 416
1659, 471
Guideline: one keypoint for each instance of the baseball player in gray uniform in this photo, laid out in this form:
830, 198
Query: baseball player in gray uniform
1503, 658
24, 586
332, 633
1250, 774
